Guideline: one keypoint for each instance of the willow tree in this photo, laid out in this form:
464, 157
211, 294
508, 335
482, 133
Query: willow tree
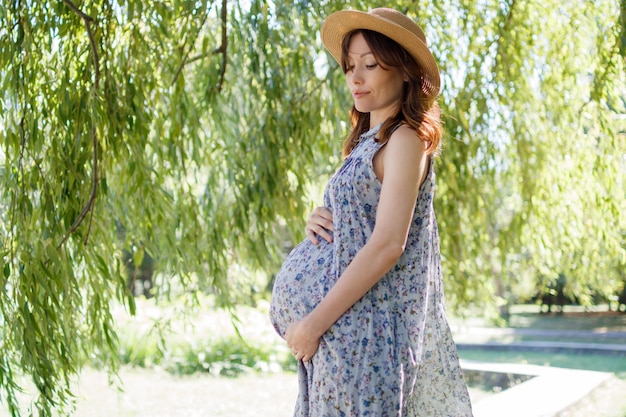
197, 127
534, 175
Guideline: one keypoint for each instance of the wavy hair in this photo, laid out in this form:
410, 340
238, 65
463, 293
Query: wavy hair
416, 110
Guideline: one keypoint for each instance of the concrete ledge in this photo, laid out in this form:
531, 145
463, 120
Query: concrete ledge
563, 347
549, 392
551, 334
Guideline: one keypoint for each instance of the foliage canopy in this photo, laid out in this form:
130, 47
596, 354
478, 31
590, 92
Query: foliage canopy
200, 126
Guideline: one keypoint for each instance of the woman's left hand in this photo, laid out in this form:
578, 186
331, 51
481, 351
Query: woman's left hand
301, 340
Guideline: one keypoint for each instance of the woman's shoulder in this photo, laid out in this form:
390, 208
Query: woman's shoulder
406, 137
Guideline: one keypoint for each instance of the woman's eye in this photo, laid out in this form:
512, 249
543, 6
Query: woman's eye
371, 66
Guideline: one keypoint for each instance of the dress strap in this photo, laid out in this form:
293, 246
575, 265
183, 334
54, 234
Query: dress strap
396, 127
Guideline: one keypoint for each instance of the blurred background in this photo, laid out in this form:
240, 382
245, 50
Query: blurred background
158, 161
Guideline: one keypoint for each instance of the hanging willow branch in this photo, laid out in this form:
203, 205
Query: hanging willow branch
222, 48
185, 61
219, 50
88, 207
622, 20
504, 28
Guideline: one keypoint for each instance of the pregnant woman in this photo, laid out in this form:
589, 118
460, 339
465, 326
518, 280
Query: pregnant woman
360, 302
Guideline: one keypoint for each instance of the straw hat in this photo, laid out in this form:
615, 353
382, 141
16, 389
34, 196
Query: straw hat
392, 24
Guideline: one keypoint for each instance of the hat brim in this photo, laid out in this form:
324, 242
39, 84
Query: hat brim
340, 23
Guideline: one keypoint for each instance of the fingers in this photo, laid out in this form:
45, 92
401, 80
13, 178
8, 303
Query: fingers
311, 235
319, 224
324, 217
302, 357
299, 340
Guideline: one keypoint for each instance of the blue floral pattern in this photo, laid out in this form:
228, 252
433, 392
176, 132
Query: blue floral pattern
392, 353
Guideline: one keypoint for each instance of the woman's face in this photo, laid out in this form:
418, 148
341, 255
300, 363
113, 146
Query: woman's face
375, 90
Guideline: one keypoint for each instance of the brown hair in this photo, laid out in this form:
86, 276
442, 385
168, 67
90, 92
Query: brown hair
416, 110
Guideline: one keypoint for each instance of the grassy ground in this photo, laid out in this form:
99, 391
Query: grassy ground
158, 393
156, 383
528, 316
526, 323
573, 318
278, 390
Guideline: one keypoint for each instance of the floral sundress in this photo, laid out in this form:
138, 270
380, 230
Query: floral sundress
391, 354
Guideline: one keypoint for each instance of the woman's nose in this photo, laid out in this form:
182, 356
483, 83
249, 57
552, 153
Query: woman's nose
355, 76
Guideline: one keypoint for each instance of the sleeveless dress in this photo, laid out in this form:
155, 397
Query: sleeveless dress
391, 353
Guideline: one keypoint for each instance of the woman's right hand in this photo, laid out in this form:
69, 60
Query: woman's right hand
320, 224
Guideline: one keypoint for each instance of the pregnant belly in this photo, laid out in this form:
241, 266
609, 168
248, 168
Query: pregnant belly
301, 283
